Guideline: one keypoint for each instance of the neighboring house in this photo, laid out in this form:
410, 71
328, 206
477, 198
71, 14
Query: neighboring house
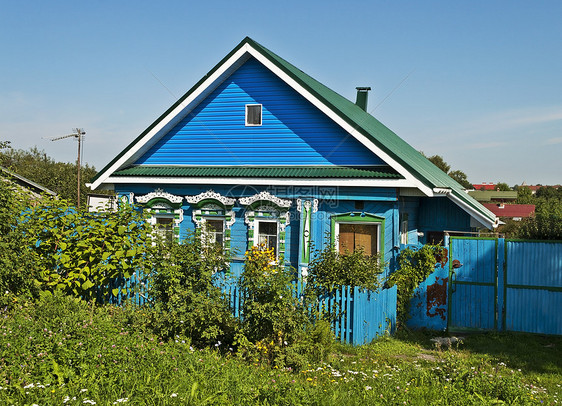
34, 189
97, 202
484, 186
535, 188
262, 153
499, 196
515, 212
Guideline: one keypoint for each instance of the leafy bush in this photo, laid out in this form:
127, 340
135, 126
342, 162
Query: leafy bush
78, 252
329, 271
414, 266
18, 276
272, 316
186, 294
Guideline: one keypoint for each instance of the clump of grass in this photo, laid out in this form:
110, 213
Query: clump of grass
59, 351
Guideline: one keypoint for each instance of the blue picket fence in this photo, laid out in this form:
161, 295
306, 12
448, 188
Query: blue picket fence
365, 315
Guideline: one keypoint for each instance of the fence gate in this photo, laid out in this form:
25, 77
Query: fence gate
473, 287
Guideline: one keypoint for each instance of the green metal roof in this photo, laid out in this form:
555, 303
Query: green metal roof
307, 172
385, 139
377, 132
489, 195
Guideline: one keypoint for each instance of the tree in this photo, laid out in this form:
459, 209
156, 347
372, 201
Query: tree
546, 224
461, 178
504, 187
439, 162
524, 195
548, 192
457, 175
57, 176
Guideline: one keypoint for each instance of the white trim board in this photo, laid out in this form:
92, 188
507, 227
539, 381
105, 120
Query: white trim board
260, 181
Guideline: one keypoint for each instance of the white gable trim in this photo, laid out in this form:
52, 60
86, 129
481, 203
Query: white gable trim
475, 214
214, 80
261, 181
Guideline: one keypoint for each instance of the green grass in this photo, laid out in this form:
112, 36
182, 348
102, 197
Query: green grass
60, 351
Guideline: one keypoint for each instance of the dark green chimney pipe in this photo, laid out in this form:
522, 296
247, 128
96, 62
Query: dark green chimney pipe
362, 95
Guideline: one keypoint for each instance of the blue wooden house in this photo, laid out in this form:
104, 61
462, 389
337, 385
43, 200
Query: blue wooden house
262, 153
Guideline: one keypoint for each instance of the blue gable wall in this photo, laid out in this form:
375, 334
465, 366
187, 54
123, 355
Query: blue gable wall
294, 132
438, 214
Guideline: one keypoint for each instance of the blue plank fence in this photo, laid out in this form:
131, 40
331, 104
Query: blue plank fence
532, 287
503, 285
365, 316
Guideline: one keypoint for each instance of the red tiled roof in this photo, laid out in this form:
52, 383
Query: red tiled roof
484, 186
511, 210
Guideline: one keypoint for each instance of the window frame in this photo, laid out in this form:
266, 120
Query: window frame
378, 245
359, 218
257, 222
161, 204
165, 233
265, 206
211, 205
205, 224
247, 115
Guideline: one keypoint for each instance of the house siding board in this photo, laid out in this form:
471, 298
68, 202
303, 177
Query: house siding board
293, 132
440, 214
379, 201
410, 206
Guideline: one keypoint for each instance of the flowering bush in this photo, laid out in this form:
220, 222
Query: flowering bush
272, 316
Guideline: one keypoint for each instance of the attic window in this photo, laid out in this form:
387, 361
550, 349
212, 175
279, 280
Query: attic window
253, 114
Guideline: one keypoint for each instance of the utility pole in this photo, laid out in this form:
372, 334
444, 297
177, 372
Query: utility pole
78, 135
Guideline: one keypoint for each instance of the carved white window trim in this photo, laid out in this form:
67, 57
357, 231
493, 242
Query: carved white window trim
159, 193
210, 194
265, 196
302, 204
204, 216
155, 209
200, 211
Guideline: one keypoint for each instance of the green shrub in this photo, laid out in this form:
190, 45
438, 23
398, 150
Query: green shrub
18, 272
185, 291
77, 252
329, 271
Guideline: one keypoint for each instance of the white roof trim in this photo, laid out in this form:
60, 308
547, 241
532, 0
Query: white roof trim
216, 78
478, 216
260, 181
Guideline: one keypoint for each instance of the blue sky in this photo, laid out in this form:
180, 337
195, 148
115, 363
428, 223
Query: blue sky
478, 82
